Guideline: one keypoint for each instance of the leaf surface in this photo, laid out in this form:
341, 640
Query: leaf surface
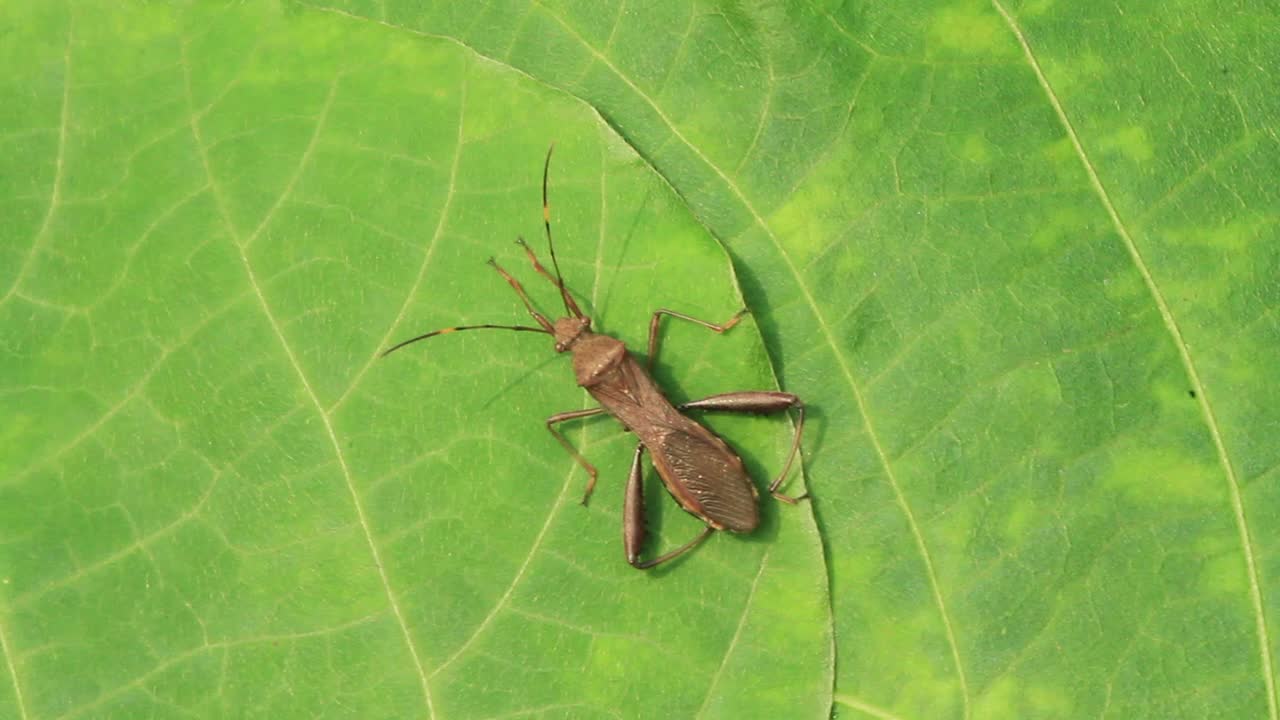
1020, 260
217, 500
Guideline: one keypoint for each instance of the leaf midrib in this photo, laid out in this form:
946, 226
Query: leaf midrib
243, 245
1184, 355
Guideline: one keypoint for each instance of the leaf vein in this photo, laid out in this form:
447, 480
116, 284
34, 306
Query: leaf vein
59, 165
737, 634
7, 649
325, 417
872, 710
426, 255
826, 330
1184, 353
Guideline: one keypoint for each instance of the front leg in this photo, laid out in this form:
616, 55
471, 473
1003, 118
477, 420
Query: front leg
760, 402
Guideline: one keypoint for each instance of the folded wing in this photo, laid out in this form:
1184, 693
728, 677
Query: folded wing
706, 477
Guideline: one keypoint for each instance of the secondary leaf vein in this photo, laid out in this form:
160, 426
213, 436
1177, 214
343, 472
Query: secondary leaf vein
55, 192
856, 704
427, 254
737, 634
7, 649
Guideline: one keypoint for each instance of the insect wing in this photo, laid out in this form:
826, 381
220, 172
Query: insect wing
706, 478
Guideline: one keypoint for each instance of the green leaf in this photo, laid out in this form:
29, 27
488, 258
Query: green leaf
1019, 259
1022, 258
216, 500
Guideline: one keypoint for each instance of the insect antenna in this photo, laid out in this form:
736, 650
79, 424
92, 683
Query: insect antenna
459, 328
570, 305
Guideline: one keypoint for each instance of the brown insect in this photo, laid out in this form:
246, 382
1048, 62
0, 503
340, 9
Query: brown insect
699, 469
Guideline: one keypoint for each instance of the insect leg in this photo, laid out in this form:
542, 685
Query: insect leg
677, 552
564, 441
537, 266
524, 298
657, 317
760, 402
633, 530
633, 510
542, 270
